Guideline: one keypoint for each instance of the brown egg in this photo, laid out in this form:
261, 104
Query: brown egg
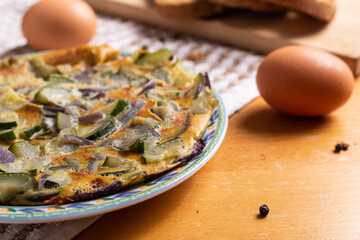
54, 24
304, 81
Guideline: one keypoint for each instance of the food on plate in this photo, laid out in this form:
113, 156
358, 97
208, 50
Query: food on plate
82, 122
53, 24
304, 81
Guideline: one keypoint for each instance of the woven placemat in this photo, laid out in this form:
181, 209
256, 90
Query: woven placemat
232, 72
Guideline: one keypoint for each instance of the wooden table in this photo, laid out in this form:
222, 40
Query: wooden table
286, 162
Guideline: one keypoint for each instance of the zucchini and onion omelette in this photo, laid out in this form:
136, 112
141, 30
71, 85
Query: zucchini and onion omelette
83, 122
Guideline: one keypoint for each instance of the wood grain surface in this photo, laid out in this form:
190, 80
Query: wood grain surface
258, 31
285, 162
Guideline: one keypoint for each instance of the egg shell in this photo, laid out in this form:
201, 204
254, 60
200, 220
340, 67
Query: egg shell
54, 24
304, 81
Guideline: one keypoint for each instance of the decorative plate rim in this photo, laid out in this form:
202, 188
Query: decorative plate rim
140, 193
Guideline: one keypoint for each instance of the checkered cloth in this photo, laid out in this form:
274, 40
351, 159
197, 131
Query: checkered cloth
232, 72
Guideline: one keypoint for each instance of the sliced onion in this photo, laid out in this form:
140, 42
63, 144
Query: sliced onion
75, 104
93, 165
99, 156
6, 156
50, 115
53, 109
73, 139
84, 75
135, 108
207, 80
198, 148
199, 89
91, 118
92, 90
188, 91
42, 180
148, 86
147, 129
98, 95
79, 105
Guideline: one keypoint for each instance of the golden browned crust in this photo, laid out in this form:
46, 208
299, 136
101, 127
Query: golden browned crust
89, 54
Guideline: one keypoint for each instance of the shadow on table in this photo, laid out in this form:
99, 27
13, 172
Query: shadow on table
266, 120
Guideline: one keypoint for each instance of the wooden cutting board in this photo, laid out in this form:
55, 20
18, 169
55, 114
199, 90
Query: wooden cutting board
259, 32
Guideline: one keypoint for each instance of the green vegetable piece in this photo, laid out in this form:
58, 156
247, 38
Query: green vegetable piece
180, 76
154, 59
153, 96
63, 121
120, 106
8, 125
140, 121
100, 130
33, 171
29, 132
7, 136
11, 184
114, 162
142, 50
54, 78
50, 184
161, 73
167, 150
24, 149
52, 96
8, 120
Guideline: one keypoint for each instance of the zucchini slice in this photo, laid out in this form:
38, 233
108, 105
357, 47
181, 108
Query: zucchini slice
8, 125
24, 149
8, 120
164, 151
7, 136
180, 76
63, 121
29, 132
50, 184
119, 107
132, 140
161, 73
100, 130
153, 96
114, 162
157, 58
52, 96
140, 121
141, 51
54, 78
12, 184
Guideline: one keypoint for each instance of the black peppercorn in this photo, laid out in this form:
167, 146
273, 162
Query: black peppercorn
338, 148
341, 147
264, 210
344, 146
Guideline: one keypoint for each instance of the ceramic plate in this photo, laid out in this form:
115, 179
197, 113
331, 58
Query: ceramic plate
213, 136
